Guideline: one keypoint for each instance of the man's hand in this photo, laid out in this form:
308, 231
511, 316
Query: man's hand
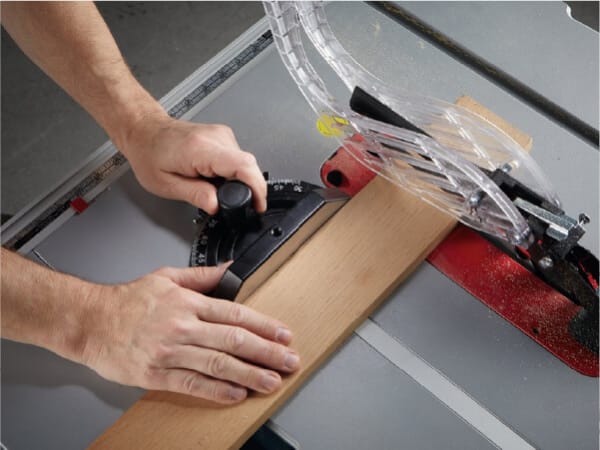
169, 157
157, 332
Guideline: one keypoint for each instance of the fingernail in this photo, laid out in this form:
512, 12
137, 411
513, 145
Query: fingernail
270, 382
237, 393
283, 335
292, 361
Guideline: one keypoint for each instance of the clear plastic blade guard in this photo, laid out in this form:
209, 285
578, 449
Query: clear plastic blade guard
446, 169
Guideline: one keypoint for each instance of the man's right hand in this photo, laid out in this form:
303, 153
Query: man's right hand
169, 156
159, 332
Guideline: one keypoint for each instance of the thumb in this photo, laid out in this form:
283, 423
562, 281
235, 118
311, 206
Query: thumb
199, 279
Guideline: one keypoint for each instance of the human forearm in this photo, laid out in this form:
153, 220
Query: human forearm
45, 308
72, 44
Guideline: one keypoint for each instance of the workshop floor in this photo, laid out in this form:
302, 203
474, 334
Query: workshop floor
45, 134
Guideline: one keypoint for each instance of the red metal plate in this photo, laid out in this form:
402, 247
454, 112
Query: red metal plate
343, 171
514, 293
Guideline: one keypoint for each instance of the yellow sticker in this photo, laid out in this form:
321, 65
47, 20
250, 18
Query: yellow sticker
326, 125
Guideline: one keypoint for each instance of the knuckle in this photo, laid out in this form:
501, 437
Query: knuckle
248, 159
190, 383
164, 271
153, 378
217, 364
236, 313
161, 355
218, 393
201, 271
168, 189
196, 139
267, 327
180, 328
234, 339
271, 353
205, 309
223, 129
200, 196
251, 377
247, 172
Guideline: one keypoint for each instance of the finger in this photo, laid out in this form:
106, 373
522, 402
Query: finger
246, 345
229, 313
190, 382
199, 279
241, 165
225, 367
256, 181
197, 192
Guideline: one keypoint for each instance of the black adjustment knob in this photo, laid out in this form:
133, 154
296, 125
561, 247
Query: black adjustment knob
235, 204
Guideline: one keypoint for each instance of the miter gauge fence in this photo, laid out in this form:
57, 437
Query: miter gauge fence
259, 244
448, 156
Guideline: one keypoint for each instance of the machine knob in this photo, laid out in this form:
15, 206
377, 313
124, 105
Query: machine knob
235, 204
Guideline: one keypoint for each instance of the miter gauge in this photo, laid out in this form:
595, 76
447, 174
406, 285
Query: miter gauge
259, 244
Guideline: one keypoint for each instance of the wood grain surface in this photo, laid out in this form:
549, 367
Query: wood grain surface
328, 288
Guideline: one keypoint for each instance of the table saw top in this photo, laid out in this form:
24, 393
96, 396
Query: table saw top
433, 367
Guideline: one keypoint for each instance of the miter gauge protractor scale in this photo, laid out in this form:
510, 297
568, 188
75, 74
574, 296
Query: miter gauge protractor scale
259, 244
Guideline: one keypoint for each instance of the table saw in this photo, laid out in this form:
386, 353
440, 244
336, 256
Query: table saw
433, 367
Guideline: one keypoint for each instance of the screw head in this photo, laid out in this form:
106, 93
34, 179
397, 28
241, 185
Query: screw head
276, 231
522, 239
546, 263
584, 219
475, 199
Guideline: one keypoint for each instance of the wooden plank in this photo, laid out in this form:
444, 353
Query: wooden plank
523, 139
323, 293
